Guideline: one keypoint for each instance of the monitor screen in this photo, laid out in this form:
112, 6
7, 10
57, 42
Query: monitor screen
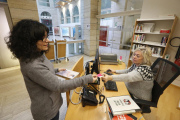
96, 66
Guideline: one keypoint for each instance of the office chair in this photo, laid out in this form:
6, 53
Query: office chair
165, 72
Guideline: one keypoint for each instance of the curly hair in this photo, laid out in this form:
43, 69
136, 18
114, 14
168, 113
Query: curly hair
146, 53
23, 38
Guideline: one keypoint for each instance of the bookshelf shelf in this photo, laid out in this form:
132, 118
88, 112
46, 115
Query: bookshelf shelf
155, 32
157, 56
154, 38
150, 43
156, 19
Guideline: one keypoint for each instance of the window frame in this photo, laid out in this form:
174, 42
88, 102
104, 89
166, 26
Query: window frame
68, 17
62, 17
74, 16
41, 1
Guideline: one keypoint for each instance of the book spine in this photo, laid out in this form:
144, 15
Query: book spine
124, 112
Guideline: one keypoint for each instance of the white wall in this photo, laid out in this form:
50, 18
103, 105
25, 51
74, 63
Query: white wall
5, 54
154, 8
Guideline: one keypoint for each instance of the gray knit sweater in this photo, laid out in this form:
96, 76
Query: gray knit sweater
45, 88
138, 80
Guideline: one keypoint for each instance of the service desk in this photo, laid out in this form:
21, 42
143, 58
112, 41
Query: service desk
77, 112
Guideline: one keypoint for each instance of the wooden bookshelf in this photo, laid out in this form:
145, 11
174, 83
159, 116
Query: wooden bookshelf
157, 19
153, 39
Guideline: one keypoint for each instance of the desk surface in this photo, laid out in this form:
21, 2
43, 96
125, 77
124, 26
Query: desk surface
77, 112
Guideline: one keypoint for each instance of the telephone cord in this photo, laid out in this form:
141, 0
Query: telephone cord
80, 98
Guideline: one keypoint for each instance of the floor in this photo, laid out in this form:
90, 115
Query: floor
15, 102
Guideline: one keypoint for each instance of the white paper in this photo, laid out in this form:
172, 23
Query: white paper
122, 105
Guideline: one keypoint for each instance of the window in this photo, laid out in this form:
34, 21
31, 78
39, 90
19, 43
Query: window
106, 8
55, 3
62, 18
68, 19
76, 14
47, 20
44, 3
105, 4
45, 14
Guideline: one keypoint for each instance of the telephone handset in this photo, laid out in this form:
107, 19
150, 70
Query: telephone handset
89, 96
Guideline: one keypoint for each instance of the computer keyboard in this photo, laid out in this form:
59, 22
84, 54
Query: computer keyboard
111, 85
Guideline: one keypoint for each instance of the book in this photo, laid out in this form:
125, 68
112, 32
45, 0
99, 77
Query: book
148, 27
68, 74
119, 117
120, 105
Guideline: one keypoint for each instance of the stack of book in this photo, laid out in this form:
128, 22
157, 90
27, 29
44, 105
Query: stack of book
139, 38
164, 40
122, 106
136, 46
145, 27
68, 74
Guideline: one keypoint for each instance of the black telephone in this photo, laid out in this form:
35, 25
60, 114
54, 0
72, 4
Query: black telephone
89, 97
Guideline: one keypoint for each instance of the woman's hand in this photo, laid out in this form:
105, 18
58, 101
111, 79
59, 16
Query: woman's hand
61, 69
113, 71
94, 78
106, 77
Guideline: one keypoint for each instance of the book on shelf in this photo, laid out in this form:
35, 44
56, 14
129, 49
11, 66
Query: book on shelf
156, 51
165, 31
68, 74
120, 105
145, 27
164, 41
139, 38
136, 46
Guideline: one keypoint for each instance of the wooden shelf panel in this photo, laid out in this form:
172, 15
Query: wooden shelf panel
154, 55
155, 32
150, 43
156, 19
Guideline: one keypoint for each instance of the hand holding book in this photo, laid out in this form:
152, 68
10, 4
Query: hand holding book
94, 78
61, 69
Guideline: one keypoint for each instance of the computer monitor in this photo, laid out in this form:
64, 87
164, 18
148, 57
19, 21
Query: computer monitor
96, 66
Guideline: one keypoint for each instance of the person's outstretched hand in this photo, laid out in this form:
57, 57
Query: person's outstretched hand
61, 69
113, 71
94, 78
106, 77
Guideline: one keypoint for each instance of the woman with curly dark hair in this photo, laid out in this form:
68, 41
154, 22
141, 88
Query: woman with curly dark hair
28, 41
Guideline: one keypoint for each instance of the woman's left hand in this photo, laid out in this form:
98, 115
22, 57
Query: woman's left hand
61, 69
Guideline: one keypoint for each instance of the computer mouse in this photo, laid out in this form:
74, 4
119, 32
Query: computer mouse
108, 71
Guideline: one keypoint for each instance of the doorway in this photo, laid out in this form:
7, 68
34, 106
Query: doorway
48, 23
116, 35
